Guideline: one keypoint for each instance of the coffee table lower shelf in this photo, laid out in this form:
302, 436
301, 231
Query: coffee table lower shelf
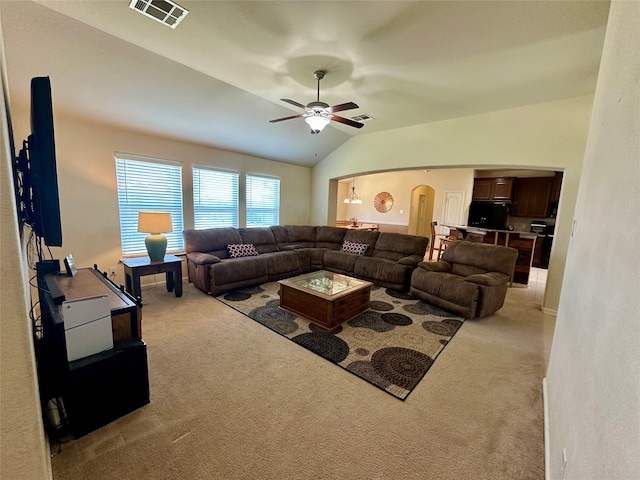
327, 313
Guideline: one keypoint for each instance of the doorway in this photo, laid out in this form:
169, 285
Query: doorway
421, 210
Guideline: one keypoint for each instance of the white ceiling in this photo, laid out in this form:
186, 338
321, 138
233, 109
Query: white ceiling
218, 78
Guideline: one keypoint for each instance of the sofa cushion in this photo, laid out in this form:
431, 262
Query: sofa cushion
330, 237
241, 250
235, 270
280, 234
363, 236
383, 272
340, 262
353, 247
211, 240
303, 235
394, 246
261, 237
282, 264
452, 288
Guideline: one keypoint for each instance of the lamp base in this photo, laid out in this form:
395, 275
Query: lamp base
156, 244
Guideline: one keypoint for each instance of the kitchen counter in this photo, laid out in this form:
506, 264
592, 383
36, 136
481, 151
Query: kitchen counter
483, 231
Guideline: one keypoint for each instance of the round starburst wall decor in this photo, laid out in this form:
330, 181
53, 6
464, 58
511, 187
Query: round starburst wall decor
383, 202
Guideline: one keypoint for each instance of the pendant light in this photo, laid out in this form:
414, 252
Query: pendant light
353, 196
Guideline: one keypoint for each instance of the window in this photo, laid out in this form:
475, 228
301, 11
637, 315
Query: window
153, 186
263, 201
215, 198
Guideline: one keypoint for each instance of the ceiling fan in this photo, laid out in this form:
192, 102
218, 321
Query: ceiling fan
319, 114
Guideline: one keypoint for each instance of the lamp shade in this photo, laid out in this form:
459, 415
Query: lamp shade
317, 122
154, 222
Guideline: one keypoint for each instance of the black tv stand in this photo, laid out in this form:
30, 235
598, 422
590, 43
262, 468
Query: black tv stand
93, 391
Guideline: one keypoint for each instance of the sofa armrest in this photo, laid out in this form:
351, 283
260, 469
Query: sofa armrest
489, 279
200, 258
441, 266
412, 260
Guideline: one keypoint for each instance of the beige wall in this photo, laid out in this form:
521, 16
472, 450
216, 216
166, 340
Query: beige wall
593, 379
24, 451
399, 185
87, 183
548, 136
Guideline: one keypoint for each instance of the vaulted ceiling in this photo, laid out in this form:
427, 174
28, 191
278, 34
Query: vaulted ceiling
218, 78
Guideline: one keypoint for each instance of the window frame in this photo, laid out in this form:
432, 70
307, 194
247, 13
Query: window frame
132, 241
251, 210
235, 209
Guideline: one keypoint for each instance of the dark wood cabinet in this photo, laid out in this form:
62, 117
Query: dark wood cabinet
482, 188
538, 258
493, 189
525, 248
555, 188
502, 188
531, 197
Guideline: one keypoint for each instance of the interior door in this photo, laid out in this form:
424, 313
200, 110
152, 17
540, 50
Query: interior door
422, 200
452, 208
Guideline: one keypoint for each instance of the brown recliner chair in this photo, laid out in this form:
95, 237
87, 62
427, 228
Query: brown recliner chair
470, 280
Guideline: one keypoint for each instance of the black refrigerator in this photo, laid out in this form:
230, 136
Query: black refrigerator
488, 215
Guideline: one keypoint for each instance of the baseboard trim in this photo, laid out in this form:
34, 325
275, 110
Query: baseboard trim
549, 311
545, 408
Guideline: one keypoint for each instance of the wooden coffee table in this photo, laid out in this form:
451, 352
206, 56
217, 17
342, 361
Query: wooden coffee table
327, 299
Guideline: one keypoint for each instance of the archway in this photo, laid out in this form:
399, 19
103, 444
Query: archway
421, 210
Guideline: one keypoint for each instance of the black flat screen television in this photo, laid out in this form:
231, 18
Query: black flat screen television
36, 174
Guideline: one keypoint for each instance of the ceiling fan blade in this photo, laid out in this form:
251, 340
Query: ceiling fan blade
293, 102
347, 121
285, 118
342, 106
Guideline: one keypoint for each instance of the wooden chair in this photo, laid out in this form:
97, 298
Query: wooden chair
443, 241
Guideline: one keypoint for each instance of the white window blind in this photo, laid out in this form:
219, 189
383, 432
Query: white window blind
263, 201
215, 198
148, 186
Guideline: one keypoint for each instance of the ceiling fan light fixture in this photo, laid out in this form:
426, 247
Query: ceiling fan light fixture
317, 122
319, 114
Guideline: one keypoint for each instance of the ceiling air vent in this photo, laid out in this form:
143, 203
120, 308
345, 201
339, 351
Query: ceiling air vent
163, 11
362, 118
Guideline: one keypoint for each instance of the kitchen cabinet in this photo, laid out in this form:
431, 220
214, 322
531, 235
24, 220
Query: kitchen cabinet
531, 197
493, 189
538, 258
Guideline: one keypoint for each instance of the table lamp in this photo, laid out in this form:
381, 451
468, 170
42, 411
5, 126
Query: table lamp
155, 224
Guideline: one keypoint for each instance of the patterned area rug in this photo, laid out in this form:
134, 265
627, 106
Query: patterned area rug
392, 345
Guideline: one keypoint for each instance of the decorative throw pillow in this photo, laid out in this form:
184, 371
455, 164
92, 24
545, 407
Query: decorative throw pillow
353, 247
241, 250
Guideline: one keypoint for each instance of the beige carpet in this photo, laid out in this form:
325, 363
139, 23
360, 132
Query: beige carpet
233, 400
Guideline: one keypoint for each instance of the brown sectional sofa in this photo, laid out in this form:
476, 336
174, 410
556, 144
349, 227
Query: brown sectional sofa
289, 250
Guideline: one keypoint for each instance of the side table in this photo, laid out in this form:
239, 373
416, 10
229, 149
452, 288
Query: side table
134, 268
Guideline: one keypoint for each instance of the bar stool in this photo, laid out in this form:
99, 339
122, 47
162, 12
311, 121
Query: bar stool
443, 241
